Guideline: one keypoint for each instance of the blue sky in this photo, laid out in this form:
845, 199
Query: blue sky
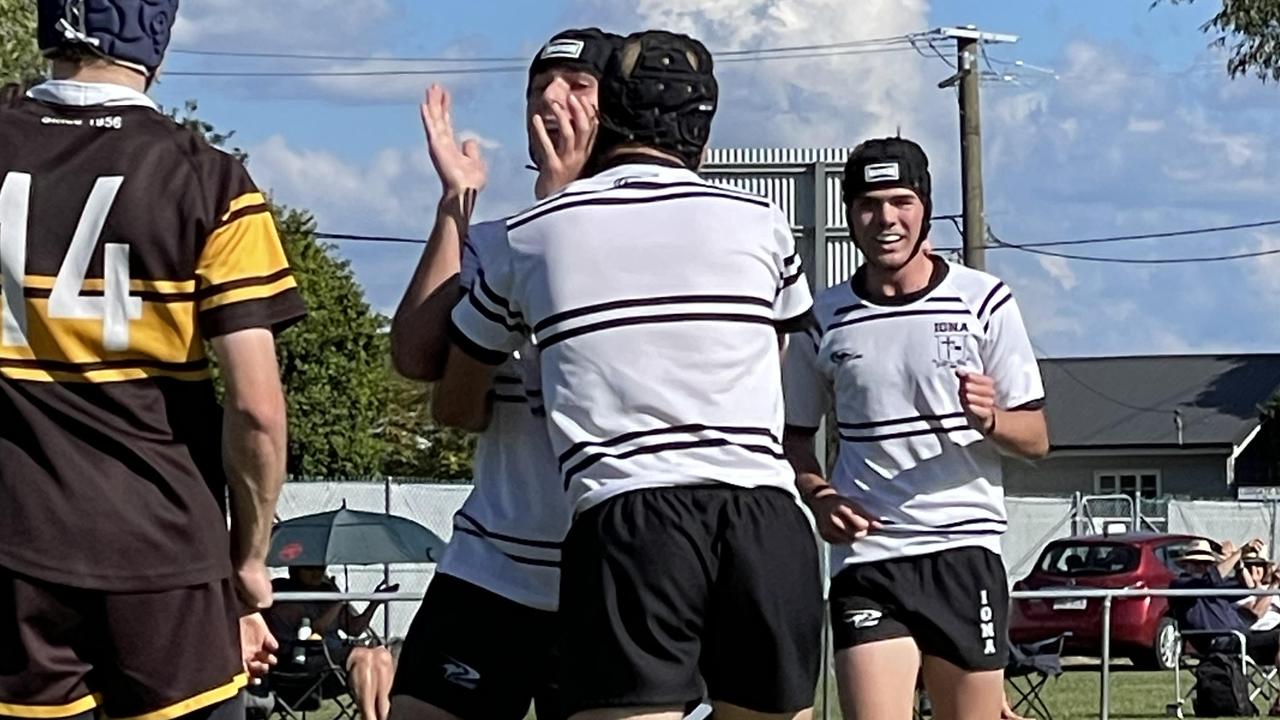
1138, 130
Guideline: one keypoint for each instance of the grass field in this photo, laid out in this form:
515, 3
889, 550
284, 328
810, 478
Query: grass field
1135, 695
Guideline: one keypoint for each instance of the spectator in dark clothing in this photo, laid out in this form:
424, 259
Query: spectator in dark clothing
1205, 570
369, 669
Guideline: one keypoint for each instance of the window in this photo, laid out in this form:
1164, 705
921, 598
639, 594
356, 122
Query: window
1089, 559
1137, 484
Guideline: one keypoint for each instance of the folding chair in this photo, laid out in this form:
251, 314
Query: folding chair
305, 678
1263, 679
1031, 666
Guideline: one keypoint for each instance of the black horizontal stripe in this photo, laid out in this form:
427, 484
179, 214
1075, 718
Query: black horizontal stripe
509, 398
604, 201
850, 308
799, 430
950, 525
125, 364
538, 562
474, 349
945, 298
492, 316
899, 421
791, 258
144, 295
243, 212
790, 280
493, 297
895, 314
666, 430
905, 434
657, 300
890, 530
507, 380
626, 185
552, 544
994, 309
987, 300
209, 291
550, 340
798, 324
594, 458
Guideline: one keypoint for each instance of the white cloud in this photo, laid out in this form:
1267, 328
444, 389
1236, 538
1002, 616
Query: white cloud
1060, 270
394, 192
836, 100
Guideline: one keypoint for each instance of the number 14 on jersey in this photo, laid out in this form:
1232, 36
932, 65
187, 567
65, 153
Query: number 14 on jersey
115, 307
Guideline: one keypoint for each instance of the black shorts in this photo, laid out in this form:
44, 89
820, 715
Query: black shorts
665, 589
65, 652
478, 655
954, 603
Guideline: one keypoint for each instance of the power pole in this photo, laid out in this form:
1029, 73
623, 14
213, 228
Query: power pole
969, 77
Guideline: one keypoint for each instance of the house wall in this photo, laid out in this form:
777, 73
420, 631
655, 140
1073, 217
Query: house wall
1190, 476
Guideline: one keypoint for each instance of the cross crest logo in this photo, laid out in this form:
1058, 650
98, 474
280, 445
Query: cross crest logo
951, 351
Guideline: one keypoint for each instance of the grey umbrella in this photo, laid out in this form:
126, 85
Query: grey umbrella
351, 537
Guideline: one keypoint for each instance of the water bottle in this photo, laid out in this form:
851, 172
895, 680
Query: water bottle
299, 649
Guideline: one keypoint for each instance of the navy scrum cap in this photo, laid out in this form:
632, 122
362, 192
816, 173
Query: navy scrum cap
134, 33
660, 90
890, 163
584, 49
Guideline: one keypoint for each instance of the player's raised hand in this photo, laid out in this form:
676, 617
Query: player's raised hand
257, 645
461, 168
840, 520
978, 398
560, 161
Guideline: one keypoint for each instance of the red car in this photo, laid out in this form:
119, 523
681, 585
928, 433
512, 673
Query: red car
1141, 628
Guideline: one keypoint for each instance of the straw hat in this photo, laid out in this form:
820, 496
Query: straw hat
1199, 550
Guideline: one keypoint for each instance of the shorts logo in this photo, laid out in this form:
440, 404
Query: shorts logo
571, 49
461, 674
881, 172
863, 618
987, 625
841, 357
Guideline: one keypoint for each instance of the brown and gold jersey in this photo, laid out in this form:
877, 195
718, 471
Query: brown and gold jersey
126, 241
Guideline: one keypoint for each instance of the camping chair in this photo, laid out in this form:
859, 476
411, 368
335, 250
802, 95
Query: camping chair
1031, 666
1262, 678
307, 675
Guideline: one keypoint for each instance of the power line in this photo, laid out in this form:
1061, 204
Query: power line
1134, 261
493, 69
889, 40
1122, 238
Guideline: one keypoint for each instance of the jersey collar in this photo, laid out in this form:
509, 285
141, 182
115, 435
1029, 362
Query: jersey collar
84, 94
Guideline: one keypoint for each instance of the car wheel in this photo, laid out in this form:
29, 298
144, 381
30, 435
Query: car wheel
1164, 651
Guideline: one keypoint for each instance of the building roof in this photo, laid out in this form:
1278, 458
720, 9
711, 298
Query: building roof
1130, 402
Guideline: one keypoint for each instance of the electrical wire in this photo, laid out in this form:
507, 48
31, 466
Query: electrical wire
1134, 261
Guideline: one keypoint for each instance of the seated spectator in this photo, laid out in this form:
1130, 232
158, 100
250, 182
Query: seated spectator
1202, 569
369, 668
1258, 572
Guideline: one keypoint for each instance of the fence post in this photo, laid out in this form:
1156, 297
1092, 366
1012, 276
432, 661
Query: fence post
1105, 712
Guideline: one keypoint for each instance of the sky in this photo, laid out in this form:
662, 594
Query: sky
1121, 120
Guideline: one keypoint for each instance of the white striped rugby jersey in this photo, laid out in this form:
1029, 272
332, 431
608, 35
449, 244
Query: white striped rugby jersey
907, 453
507, 535
655, 299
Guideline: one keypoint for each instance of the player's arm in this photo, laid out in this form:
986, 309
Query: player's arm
1021, 431
246, 293
419, 344
253, 451
1005, 402
485, 327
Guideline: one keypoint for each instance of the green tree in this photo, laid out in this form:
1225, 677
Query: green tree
417, 447
20, 58
1251, 31
334, 364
